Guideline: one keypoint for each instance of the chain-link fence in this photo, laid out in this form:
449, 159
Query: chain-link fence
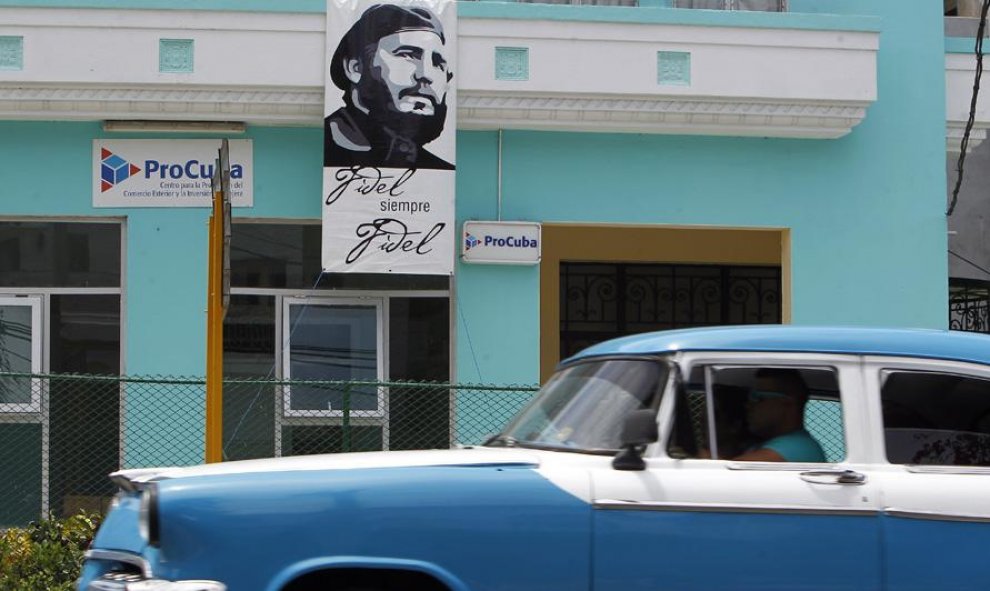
62, 434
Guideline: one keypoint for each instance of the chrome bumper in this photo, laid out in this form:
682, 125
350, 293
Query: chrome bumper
133, 582
134, 574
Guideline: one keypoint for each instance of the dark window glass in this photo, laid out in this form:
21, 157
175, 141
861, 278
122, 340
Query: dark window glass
17, 355
84, 414
249, 337
59, 254
332, 342
419, 350
249, 352
300, 440
86, 331
419, 339
288, 256
20, 464
936, 419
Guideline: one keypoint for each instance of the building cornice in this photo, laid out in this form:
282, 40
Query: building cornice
960, 73
271, 106
477, 110
672, 115
743, 75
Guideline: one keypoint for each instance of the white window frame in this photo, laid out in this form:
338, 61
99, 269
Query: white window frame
379, 305
34, 302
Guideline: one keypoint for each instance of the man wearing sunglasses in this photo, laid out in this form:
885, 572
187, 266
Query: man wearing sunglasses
775, 415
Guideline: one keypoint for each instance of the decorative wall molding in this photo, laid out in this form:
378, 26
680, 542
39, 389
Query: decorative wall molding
282, 106
476, 110
770, 81
960, 72
954, 135
679, 115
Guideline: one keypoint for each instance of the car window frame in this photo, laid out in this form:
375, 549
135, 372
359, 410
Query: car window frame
847, 368
877, 366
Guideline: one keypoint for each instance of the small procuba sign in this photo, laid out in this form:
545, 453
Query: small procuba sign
508, 243
167, 173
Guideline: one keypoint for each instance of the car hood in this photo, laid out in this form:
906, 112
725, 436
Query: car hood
137, 477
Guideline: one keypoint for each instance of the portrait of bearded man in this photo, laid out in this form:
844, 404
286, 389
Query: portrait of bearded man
393, 67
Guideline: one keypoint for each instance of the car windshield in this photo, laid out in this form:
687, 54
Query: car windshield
583, 406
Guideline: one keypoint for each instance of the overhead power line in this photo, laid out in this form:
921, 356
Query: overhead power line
972, 108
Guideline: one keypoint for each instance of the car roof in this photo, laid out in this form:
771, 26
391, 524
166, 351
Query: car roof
901, 342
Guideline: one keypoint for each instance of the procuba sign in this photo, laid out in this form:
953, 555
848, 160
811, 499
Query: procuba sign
511, 243
167, 173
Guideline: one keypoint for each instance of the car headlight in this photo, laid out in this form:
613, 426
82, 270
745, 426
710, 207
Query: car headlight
148, 517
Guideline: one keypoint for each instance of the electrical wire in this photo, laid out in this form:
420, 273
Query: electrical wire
467, 333
972, 108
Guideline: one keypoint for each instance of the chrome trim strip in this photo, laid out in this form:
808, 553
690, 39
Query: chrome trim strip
935, 516
781, 466
125, 557
922, 469
618, 505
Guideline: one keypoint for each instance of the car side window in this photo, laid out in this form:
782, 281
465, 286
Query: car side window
759, 413
938, 419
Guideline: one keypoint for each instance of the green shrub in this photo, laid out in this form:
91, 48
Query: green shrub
47, 554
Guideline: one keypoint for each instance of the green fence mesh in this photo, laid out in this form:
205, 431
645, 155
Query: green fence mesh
62, 434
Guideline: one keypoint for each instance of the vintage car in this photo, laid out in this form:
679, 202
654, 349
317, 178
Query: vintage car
639, 466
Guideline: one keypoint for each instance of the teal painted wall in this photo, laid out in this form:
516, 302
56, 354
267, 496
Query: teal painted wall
866, 211
47, 171
869, 234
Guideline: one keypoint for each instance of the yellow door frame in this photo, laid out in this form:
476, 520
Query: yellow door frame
649, 244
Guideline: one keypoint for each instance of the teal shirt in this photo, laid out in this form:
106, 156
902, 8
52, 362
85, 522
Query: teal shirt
796, 446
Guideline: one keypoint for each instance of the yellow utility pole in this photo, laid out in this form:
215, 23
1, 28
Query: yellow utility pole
217, 300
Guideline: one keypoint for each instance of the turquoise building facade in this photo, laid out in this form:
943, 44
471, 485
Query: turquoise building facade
848, 216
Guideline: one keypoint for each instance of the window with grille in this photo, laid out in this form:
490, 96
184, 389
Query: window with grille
599, 301
969, 305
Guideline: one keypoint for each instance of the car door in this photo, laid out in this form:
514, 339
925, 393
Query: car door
933, 468
688, 523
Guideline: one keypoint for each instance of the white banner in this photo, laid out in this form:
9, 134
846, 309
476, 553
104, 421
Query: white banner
167, 173
389, 131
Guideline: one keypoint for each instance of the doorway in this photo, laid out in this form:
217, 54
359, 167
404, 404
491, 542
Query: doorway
700, 270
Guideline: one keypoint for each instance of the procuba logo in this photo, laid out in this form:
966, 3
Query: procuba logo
191, 169
114, 170
510, 242
470, 242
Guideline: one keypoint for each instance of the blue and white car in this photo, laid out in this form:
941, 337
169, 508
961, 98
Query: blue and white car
606, 483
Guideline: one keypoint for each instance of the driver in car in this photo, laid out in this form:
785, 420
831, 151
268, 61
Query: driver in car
775, 415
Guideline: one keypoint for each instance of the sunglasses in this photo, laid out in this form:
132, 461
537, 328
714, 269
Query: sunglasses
761, 395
